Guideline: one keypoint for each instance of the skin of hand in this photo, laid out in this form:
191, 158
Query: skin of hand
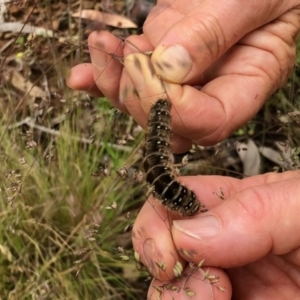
239, 53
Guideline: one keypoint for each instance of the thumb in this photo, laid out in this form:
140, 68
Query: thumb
256, 221
203, 31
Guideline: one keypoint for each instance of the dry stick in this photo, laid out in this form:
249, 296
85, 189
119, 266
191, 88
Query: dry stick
30, 122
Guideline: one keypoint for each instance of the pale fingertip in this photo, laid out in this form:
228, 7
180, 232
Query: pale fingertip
133, 67
147, 84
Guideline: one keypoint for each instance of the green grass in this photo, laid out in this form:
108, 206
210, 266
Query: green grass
55, 221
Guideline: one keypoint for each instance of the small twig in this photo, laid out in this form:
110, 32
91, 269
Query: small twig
30, 122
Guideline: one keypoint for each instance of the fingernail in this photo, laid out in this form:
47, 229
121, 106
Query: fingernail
172, 64
200, 228
150, 256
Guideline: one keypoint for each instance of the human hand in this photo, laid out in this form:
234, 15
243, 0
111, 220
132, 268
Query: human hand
238, 52
252, 235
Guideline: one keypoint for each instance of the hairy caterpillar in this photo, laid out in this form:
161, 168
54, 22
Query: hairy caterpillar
160, 173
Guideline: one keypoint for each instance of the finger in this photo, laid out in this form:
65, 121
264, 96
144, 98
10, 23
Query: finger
137, 44
154, 243
133, 44
81, 78
127, 96
194, 283
203, 31
106, 51
258, 220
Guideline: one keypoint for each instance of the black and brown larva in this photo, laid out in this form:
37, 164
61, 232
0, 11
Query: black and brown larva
160, 172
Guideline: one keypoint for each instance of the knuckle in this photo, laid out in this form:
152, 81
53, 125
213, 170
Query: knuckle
208, 36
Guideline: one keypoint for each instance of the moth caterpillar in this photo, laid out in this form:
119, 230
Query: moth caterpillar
160, 172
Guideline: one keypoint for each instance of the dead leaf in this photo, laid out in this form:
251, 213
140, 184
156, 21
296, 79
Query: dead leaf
6, 252
250, 158
19, 82
106, 18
